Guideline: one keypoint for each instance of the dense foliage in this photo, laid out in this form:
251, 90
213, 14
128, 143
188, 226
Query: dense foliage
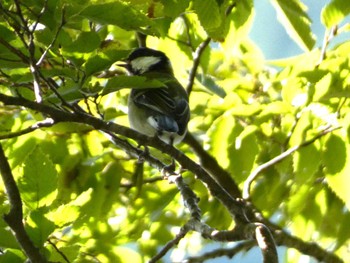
271, 137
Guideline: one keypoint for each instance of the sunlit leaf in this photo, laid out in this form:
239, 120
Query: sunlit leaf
292, 14
306, 163
208, 13
38, 182
39, 227
337, 167
220, 137
116, 13
334, 12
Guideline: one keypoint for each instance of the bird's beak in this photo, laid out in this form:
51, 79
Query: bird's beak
123, 64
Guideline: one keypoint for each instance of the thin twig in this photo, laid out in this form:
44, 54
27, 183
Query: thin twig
279, 158
183, 231
41, 124
41, 13
328, 36
196, 60
53, 41
221, 252
58, 251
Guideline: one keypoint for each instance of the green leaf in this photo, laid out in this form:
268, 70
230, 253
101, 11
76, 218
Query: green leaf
219, 134
242, 152
12, 256
7, 239
38, 183
103, 60
208, 13
174, 8
211, 85
337, 166
292, 14
70, 92
334, 156
334, 12
137, 82
116, 13
306, 163
39, 227
71, 253
210, 17
86, 42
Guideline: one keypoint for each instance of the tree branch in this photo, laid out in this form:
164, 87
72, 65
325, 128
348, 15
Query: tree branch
279, 158
170, 244
221, 252
196, 60
15, 216
234, 206
239, 209
45, 123
266, 243
212, 166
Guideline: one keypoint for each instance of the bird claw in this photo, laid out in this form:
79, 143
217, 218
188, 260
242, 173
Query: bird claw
169, 170
142, 155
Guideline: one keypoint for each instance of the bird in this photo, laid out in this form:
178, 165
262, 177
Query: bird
161, 111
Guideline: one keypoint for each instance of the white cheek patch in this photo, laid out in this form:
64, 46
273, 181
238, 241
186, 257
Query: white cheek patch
142, 64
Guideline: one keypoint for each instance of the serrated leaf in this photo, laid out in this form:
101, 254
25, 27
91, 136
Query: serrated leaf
208, 13
292, 14
68, 213
137, 82
211, 85
209, 16
116, 13
38, 183
334, 12
337, 166
39, 227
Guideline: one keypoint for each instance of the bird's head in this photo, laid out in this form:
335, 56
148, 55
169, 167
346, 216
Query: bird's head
144, 60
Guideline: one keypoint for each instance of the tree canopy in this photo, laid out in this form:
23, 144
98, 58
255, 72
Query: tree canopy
264, 162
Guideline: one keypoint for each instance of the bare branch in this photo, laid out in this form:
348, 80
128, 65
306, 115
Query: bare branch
58, 251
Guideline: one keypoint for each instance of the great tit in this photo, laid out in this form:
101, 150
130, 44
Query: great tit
163, 111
